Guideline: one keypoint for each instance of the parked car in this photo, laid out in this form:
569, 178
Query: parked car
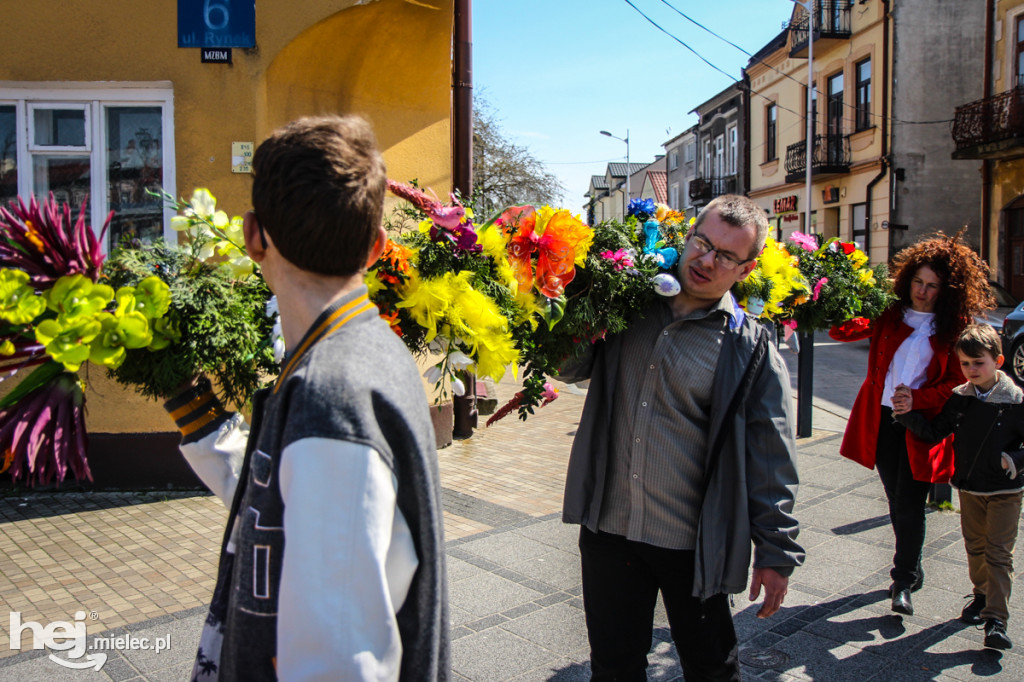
1010, 326
1005, 304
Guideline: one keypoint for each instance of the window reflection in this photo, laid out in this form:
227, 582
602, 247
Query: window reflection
59, 127
134, 168
67, 177
8, 155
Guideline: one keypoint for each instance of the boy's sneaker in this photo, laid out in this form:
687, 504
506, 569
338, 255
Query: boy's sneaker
995, 635
972, 612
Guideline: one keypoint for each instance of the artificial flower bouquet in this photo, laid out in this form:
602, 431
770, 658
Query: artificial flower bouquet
842, 285
528, 288
152, 316
218, 306
775, 286
56, 314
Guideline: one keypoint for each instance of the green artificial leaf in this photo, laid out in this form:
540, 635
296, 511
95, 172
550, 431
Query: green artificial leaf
39, 376
74, 297
166, 331
68, 345
554, 311
152, 297
19, 303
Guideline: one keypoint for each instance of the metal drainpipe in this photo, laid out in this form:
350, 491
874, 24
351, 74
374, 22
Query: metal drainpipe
986, 165
464, 407
885, 127
746, 100
462, 98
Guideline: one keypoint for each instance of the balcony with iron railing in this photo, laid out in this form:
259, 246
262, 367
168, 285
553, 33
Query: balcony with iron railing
991, 128
831, 26
703, 190
830, 156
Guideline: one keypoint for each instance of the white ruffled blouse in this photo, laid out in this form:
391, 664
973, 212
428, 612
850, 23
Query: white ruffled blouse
910, 363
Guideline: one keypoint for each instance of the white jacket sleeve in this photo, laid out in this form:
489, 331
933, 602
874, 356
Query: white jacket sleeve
349, 560
217, 457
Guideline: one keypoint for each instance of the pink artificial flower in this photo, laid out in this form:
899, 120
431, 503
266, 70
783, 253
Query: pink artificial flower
621, 258
804, 240
817, 287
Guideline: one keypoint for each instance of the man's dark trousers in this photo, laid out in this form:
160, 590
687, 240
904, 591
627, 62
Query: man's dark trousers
621, 579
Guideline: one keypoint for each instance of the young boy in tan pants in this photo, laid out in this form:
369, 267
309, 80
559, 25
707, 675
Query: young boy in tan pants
986, 419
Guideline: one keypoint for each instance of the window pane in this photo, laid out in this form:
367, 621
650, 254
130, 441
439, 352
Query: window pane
59, 127
1020, 30
835, 85
66, 176
864, 70
135, 165
8, 154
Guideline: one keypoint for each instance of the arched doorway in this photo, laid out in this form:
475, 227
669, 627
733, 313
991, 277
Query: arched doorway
1013, 220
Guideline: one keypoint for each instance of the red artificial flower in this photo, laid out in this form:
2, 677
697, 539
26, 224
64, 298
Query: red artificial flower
851, 330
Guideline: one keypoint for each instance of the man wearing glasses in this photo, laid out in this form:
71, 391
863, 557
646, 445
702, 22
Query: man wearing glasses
683, 456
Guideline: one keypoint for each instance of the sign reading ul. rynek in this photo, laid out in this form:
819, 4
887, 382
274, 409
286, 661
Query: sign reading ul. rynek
216, 23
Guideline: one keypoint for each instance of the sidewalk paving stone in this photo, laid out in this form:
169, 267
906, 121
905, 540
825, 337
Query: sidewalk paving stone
145, 563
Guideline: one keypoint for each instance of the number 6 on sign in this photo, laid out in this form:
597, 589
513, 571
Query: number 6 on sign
212, 9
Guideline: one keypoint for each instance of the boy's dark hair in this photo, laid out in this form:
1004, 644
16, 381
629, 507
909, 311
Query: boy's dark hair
318, 190
977, 339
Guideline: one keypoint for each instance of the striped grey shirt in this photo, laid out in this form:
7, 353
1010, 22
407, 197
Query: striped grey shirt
660, 423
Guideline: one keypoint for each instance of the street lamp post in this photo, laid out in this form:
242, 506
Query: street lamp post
805, 363
625, 203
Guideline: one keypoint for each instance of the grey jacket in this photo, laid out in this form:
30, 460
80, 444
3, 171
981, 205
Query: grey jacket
752, 477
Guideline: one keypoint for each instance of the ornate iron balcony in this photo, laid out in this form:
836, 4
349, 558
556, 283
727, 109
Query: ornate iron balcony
990, 128
831, 154
831, 24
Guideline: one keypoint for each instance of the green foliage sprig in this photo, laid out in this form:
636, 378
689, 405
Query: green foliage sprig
224, 331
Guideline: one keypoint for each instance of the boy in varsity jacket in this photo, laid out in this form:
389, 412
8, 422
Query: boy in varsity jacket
332, 563
986, 418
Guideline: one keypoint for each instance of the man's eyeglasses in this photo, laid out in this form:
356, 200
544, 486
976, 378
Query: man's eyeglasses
722, 260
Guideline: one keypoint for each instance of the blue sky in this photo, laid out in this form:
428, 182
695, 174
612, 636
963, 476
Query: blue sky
559, 71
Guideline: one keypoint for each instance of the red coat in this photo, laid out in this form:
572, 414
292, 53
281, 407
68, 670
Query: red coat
928, 462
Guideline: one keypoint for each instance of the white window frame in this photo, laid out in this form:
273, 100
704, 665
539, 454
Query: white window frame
673, 196
673, 159
688, 152
94, 98
707, 159
732, 144
58, 106
1010, 41
719, 162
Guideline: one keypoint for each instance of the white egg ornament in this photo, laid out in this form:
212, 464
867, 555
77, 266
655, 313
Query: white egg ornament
666, 285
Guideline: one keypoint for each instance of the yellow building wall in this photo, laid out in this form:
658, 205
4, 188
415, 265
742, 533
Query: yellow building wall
388, 60
783, 80
1007, 175
1007, 185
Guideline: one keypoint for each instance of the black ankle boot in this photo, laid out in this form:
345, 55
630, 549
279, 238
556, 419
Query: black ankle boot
901, 600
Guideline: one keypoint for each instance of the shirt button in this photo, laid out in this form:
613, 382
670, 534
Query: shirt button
664, 333
643, 404
652, 366
637, 440
636, 475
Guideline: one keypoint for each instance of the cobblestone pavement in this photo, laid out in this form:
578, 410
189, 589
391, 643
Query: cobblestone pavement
140, 568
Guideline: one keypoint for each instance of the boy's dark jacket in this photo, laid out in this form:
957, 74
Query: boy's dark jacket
982, 430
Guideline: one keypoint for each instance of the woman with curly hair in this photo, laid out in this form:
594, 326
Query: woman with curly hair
940, 284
